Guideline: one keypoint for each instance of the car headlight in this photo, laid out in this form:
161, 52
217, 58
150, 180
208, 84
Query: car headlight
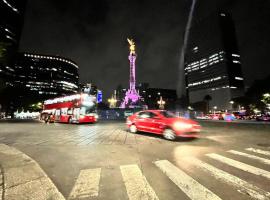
181, 125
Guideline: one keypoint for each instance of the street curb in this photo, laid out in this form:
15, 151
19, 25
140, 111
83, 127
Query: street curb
22, 178
2, 181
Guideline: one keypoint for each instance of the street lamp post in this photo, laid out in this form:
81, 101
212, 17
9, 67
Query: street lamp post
232, 102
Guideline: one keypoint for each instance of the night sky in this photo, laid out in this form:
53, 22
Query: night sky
93, 34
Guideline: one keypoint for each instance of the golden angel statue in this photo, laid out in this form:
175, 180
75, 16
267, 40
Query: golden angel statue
131, 46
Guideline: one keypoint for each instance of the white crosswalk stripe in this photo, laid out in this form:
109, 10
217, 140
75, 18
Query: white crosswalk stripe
267, 153
262, 160
87, 184
240, 165
193, 189
136, 184
243, 186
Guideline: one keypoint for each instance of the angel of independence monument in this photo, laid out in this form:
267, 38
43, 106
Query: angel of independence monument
132, 97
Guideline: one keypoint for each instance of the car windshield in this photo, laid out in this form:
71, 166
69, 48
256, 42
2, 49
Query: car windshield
167, 114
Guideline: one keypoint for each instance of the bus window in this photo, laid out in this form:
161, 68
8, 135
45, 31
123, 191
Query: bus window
69, 112
63, 111
82, 111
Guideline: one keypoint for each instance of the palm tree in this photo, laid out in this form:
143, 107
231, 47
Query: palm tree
207, 98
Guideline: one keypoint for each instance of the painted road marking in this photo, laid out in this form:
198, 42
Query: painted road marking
188, 185
24, 178
136, 183
240, 165
243, 186
262, 160
267, 153
87, 184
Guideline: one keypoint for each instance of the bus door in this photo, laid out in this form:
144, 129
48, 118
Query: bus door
76, 113
57, 115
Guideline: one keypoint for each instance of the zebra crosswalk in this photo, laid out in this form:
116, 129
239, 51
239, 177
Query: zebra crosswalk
137, 184
87, 184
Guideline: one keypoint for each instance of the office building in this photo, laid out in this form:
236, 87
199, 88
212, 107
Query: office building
213, 62
45, 76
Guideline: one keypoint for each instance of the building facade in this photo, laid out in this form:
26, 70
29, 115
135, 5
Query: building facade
11, 21
45, 76
213, 63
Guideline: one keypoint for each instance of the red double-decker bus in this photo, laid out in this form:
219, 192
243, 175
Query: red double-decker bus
77, 108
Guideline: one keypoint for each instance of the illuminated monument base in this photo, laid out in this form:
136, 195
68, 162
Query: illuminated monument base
131, 100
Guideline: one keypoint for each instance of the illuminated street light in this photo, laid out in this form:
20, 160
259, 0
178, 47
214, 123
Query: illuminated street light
190, 108
215, 107
112, 101
161, 103
231, 102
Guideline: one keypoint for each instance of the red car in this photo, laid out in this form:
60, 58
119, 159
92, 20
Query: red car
164, 123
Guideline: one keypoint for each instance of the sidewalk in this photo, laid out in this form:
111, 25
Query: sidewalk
22, 178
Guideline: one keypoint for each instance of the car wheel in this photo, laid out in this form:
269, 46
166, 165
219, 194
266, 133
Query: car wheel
168, 134
133, 128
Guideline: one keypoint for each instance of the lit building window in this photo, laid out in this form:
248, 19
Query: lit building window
236, 61
205, 81
195, 49
235, 55
9, 5
239, 78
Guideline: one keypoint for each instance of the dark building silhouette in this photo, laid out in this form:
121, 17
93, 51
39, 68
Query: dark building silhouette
45, 76
212, 62
151, 96
11, 21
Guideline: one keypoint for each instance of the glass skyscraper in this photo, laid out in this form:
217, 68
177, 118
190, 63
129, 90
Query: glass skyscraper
213, 63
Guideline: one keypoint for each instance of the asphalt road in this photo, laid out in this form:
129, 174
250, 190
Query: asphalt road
104, 161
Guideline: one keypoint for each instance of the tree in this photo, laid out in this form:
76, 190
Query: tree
207, 98
266, 100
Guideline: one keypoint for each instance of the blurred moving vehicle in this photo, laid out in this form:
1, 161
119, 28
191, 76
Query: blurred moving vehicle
203, 117
227, 117
214, 116
77, 108
222, 116
163, 123
265, 118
